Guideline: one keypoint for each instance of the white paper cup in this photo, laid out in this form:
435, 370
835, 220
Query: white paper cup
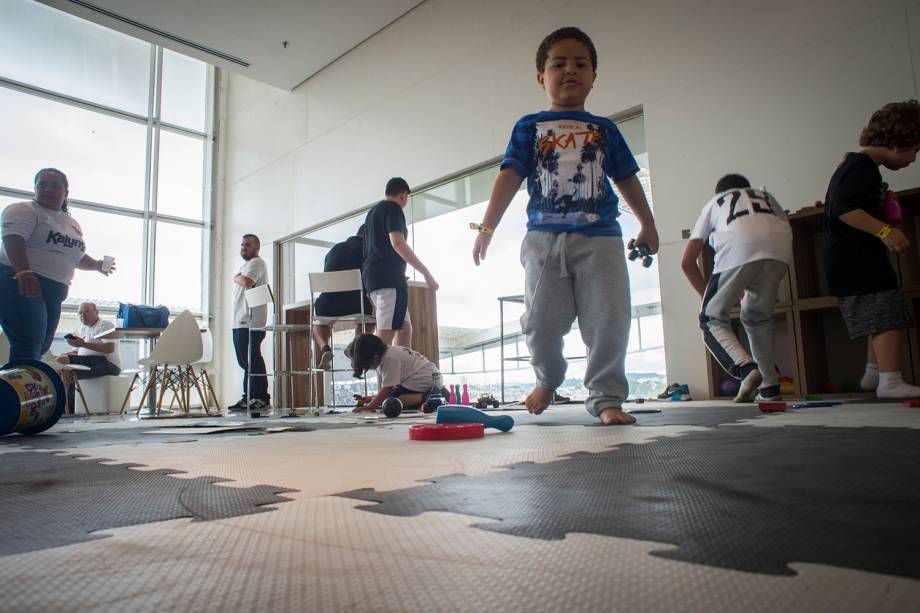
107, 262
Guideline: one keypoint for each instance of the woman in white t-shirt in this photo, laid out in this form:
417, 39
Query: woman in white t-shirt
42, 245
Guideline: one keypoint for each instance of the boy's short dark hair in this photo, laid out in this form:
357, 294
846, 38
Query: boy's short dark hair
732, 181
563, 34
366, 348
397, 186
896, 125
253, 237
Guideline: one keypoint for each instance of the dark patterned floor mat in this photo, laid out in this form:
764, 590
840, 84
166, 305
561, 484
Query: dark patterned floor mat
51, 500
739, 497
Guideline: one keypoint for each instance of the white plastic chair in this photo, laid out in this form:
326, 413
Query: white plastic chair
178, 347
67, 371
202, 377
261, 295
330, 283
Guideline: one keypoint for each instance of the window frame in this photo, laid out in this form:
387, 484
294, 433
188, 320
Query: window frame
149, 215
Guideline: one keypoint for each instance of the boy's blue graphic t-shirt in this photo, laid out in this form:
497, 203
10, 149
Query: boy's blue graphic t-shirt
567, 158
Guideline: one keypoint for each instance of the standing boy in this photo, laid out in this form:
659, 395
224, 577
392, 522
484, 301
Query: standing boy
750, 234
858, 240
386, 253
573, 252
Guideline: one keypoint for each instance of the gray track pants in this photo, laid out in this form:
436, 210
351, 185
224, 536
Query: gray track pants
570, 275
758, 282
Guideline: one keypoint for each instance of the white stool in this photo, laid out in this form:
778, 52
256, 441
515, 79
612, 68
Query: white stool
103, 394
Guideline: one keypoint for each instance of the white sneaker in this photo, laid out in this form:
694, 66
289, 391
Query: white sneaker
748, 389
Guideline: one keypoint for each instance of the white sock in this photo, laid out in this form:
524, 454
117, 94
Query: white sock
869, 379
892, 386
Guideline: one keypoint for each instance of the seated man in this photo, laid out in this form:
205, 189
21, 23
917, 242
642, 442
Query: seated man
346, 255
100, 356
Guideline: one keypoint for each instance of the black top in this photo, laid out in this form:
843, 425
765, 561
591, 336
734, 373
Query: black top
856, 262
345, 256
383, 267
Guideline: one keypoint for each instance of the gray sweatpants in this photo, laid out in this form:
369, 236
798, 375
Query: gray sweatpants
570, 275
758, 282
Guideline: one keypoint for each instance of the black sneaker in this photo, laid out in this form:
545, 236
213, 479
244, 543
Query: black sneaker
259, 404
239, 406
769, 394
325, 358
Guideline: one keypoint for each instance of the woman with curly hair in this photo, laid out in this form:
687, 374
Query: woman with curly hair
857, 240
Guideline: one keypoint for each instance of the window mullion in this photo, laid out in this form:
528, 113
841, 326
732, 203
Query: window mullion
157, 98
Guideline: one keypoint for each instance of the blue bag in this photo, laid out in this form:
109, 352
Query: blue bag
142, 316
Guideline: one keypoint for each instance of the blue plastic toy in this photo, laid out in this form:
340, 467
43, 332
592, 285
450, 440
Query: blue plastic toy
815, 405
458, 414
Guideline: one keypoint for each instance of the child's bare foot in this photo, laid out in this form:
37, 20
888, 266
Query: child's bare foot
538, 399
613, 416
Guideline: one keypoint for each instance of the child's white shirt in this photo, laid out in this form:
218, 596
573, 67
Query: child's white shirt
744, 225
403, 366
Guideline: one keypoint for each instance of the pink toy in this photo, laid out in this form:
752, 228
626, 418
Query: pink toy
453, 396
465, 396
891, 208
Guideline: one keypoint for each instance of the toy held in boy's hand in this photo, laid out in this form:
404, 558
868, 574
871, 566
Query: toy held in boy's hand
456, 414
891, 208
639, 250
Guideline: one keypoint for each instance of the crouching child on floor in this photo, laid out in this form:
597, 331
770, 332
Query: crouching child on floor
401, 372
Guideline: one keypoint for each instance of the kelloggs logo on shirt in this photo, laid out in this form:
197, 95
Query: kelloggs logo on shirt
56, 238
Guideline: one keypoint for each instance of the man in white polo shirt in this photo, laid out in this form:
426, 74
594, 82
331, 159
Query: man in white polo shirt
99, 355
246, 342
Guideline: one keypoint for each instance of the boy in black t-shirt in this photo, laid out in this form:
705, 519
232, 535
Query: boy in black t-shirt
857, 242
347, 255
386, 253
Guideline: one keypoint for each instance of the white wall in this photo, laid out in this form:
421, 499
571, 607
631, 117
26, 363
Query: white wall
778, 91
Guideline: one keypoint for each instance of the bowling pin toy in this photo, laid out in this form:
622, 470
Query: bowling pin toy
465, 397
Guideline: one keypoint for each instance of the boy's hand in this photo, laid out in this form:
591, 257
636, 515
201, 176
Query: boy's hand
896, 241
429, 279
481, 246
649, 236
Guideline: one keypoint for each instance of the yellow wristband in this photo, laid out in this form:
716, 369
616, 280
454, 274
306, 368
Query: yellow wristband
24, 271
884, 232
482, 228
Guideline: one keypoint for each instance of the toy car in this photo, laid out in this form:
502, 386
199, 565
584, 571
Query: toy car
639, 250
486, 400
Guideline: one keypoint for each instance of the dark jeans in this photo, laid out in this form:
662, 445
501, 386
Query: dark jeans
29, 323
241, 338
98, 367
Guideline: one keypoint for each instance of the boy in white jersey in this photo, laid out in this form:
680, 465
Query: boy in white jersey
750, 234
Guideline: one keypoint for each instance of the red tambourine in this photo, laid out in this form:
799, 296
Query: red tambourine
445, 432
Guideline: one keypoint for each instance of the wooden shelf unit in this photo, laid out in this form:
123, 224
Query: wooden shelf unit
812, 344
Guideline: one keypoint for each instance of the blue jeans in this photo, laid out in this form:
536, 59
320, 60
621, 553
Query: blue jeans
242, 338
29, 323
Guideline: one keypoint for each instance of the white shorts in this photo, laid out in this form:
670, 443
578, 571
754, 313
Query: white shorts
391, 308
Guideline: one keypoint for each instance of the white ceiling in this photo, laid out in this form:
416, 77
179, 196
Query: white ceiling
318, 31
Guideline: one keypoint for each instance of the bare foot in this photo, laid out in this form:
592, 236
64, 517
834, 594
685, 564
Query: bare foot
538, 399
615, 417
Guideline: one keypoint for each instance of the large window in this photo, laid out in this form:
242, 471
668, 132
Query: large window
130, 125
